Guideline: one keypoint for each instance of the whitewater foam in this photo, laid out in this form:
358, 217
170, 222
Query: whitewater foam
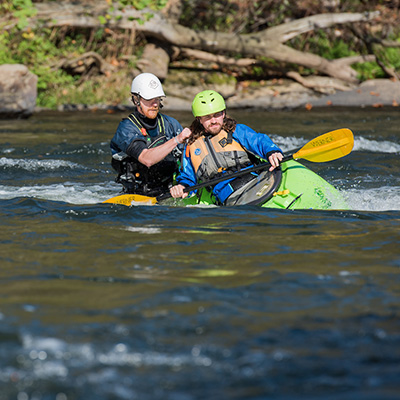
386, 198
360, 144
74, 193
363, 144
35, 165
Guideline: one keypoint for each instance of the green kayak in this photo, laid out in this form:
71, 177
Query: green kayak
293, 187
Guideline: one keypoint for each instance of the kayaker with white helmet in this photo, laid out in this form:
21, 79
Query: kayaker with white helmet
147, 144
218, 144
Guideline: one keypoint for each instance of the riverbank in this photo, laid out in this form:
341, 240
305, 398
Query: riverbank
272, 96
285, 94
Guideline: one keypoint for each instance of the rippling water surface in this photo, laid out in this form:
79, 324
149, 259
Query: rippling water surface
100, 301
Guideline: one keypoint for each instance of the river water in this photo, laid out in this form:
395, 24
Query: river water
100, 301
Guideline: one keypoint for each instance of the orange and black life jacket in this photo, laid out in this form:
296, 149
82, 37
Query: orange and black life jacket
211, 155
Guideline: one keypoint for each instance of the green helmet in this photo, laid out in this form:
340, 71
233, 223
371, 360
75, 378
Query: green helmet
207, 102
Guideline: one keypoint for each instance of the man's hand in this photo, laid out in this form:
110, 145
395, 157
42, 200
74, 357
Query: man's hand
177, 191
184, 135
275, 159
149, 157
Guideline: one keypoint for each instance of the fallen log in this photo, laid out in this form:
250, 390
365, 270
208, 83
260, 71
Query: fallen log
268, 43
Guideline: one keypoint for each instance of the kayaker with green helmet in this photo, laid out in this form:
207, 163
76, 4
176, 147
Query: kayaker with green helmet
147, 145
218, 144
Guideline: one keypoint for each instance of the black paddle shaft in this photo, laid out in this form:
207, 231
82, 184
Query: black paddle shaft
224, 177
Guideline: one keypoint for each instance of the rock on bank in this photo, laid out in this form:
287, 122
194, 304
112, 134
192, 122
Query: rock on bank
18, 91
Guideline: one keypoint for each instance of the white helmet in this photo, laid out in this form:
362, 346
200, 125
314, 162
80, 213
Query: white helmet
148, 86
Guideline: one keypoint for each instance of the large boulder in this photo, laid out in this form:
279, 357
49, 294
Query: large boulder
18, 91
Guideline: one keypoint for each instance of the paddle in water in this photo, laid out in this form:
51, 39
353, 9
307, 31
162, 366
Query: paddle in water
327, 147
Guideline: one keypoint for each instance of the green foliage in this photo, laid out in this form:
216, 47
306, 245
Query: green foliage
324, 44
5, 54
368, 70
20, 9
138, 5
42, 50
392, 55
98, 90
102, 19
40, 55
217, 78
205, 15
371, 70
155, 5
141, 4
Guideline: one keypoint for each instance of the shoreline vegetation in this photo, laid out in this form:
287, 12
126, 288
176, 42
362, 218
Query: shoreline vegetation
267, 55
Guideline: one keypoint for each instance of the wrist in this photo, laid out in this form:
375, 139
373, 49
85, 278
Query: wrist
176, 140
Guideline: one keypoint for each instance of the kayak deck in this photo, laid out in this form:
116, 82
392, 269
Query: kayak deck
300, 188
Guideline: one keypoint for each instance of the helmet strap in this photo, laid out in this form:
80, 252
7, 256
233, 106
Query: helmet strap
136, 99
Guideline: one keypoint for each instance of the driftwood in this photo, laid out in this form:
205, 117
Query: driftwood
217, 58
155, 59
268, 43
197, 59
317, 83
86, 64
321, 84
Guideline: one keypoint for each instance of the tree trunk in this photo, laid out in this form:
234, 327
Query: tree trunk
268, 43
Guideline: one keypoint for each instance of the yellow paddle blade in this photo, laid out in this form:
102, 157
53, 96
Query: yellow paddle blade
327, 147
131, 199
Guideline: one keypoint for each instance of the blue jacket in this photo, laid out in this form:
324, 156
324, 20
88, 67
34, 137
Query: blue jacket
128, 132
255, 143
130, 139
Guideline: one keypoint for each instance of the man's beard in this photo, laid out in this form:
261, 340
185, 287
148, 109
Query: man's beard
152, 113
214, 129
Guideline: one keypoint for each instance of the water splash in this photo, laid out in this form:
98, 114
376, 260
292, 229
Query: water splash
74, 193
37, 165
385, 146
384, 198
360, 144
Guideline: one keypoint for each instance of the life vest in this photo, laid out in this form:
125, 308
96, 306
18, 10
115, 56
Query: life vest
160, 126
136, 177
211, 155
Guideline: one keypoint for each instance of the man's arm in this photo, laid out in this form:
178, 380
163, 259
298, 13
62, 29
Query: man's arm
149, 157
186, 178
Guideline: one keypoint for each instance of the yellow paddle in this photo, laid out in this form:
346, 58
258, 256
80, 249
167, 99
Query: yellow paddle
327, 147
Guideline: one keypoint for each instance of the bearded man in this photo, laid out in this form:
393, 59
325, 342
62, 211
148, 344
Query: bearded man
217, 145
147, 145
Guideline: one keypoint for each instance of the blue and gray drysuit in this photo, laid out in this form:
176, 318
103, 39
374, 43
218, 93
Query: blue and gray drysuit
133, 135
211, 156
